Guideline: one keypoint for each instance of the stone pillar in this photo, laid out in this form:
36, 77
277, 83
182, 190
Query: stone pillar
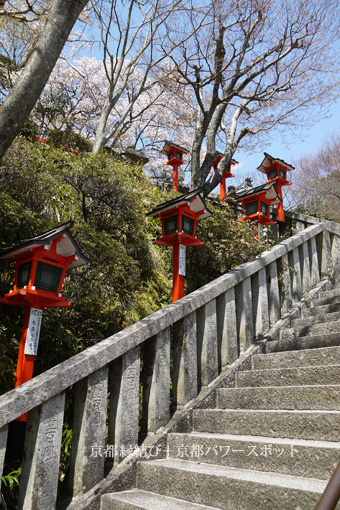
184, 383
89, 425
327, 266
300, 225
336, 254
3, 443
260, 299
295, 274
207, 343
274, 295
40, 466
315, 271
306, 271
227, 328
287, 300
156, 382
124, 403
244, 313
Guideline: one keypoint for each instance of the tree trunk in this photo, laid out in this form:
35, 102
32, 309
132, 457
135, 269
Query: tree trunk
32, 80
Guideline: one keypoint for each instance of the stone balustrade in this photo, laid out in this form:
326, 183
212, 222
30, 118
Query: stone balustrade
172, 354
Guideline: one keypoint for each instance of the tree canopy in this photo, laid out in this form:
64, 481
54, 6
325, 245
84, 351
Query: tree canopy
128, 276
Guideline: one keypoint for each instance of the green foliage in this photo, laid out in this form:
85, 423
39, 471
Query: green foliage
128, 277
41, 186
69, 139
11, 482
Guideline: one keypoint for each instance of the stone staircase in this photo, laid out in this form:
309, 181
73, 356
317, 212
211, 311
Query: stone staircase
271, 442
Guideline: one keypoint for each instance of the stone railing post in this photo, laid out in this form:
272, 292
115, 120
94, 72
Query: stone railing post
287, 300
207, 343
274, 295
327, 267
88, 440
124, 403
306, 269
156, 382
336, 254
3, 442
227, 327
315, 271
184, 353
40, 466
244, 310
294, 258
261, 306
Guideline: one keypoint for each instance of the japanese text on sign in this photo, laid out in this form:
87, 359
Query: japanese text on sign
33, 332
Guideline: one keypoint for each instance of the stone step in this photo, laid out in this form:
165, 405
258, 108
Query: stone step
315, 459
326, 298
314, 329
303, 342
321, 398
139, 499
289, 376
303, 358
315, 319
315, 425
228, 488
322, 309
329, 293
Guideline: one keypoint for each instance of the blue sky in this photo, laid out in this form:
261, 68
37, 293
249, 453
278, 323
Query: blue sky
294, 148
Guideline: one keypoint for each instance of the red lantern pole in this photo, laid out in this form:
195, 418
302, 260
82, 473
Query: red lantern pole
279, 206
25, 363
178, 279
175, 166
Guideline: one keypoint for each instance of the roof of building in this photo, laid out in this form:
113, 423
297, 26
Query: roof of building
135, 155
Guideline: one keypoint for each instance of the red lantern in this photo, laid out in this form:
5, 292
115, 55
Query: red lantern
226, 175
257, 202
40, 268
179, 219
276, 171
175, 155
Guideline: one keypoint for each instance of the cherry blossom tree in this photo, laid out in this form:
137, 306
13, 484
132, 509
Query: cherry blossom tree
258, 65
33, 76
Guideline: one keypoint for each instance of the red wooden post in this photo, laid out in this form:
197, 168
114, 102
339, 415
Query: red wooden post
178, 279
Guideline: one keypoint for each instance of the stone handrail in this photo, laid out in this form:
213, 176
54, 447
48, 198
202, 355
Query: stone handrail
202, 333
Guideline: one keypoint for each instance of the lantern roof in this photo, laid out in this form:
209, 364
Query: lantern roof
66, 247
269, 161
232, 161
168, 145
194, 199
268, 188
